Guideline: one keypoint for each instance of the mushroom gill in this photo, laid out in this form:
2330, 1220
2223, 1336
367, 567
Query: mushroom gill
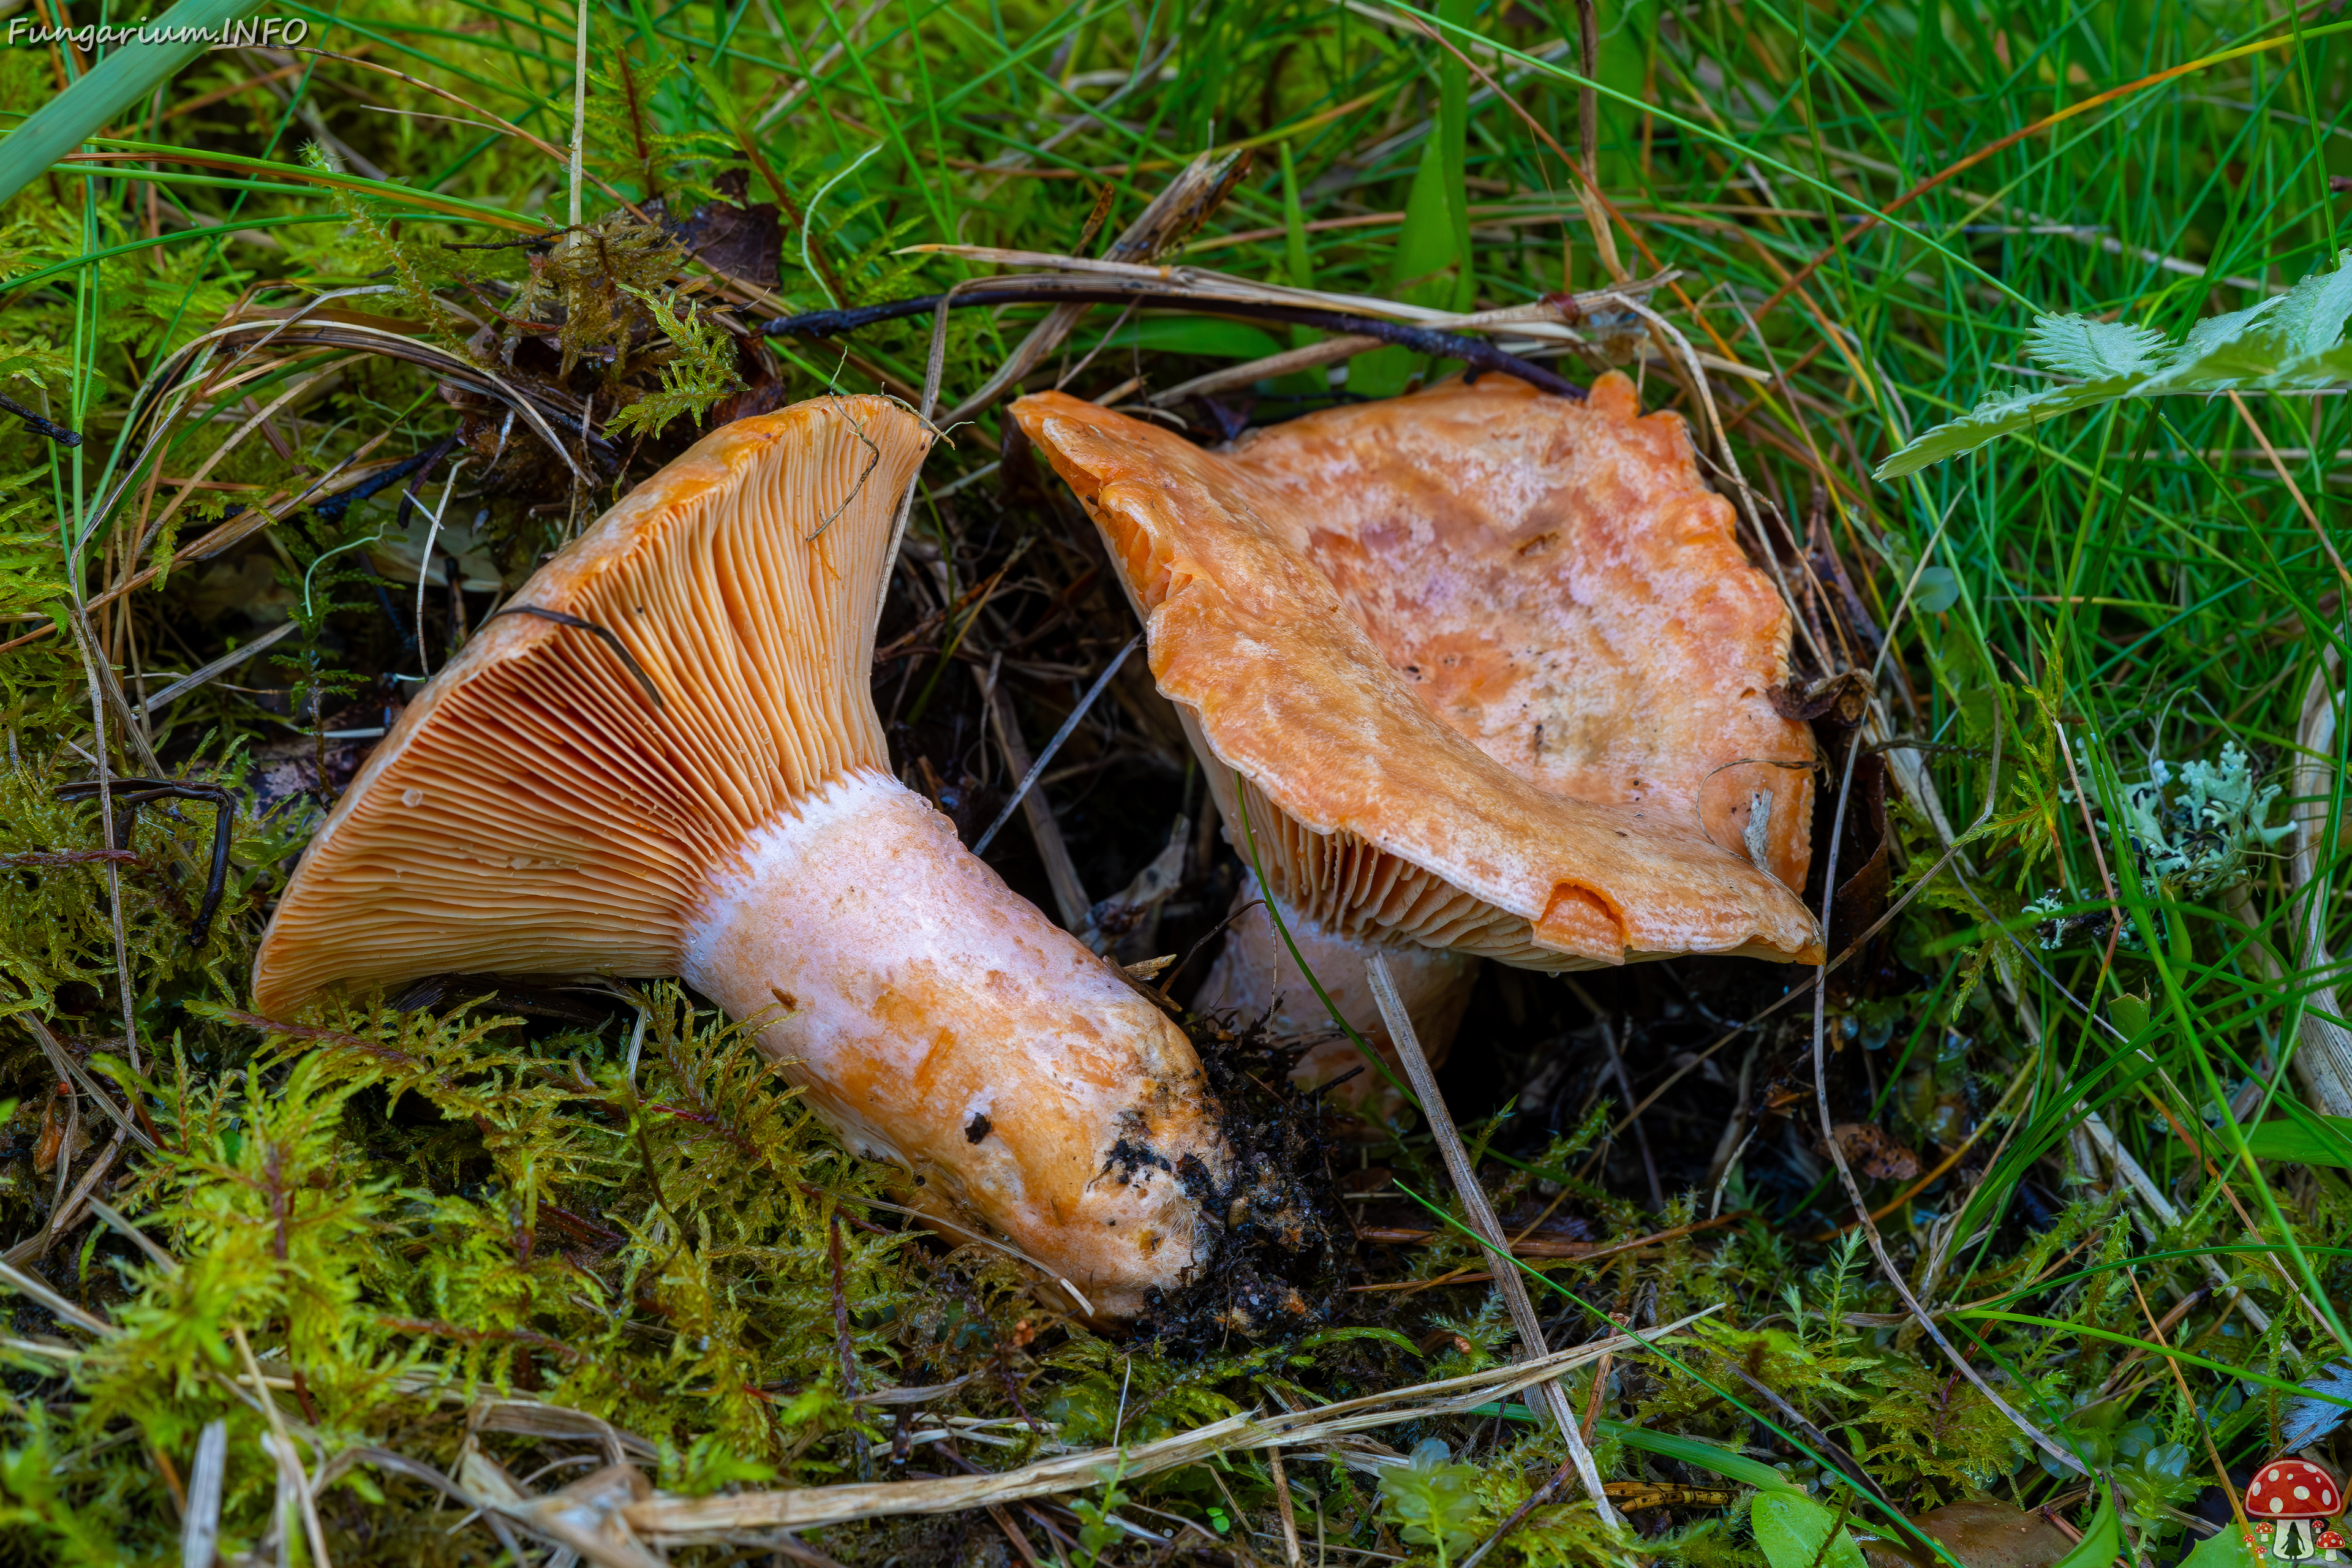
663, 758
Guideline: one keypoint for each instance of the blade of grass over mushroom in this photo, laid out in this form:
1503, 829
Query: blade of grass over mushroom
1371, 1057
1484, 1224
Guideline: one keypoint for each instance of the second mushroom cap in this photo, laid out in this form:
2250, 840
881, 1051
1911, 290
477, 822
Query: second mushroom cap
1488, 662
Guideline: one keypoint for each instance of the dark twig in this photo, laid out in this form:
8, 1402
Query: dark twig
54, 432
132, 793
1211, 936
1641, 1135
1070, 898
1476, 352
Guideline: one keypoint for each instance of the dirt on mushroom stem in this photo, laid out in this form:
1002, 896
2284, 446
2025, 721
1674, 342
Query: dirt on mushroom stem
1276, 1268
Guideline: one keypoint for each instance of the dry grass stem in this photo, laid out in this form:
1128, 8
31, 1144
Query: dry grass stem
1480, 1215
811, 1507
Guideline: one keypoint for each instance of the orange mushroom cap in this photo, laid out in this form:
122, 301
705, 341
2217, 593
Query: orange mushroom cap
558, 799
2293, 1488
1490, 662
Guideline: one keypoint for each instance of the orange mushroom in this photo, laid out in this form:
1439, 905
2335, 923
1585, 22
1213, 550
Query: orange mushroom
663, 758
1490, 668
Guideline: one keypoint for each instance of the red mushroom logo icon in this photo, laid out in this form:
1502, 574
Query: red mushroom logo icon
2295, 1499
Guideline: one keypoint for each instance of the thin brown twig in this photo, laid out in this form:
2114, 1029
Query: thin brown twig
1592, 1252
2157, 1332
1013, 1533
1587, 137
2292, 488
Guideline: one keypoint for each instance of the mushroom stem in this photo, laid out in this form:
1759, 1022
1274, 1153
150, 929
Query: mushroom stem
946, 1025
1255, 975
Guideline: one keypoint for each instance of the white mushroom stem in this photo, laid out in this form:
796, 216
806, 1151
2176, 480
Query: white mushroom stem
1256, 972
944, 1023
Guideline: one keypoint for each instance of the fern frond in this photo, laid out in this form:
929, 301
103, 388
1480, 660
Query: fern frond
699, 372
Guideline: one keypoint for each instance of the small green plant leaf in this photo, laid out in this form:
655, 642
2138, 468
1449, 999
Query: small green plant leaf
2226, 1548
1698, 1452
710, 1462
2303, 1138
2074, 345
2102, 1541
1795, 1531
1435, 1502
2129, 1014
1099, 1531
2289, 343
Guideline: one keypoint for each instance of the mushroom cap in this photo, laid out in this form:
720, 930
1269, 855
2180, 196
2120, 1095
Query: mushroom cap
2293, 1488
1490, 663
538, 811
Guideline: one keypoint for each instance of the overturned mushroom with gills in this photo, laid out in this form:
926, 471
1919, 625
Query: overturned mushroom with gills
664, 759
1487, 671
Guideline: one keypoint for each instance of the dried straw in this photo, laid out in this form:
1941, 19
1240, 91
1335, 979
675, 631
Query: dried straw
808, 1506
